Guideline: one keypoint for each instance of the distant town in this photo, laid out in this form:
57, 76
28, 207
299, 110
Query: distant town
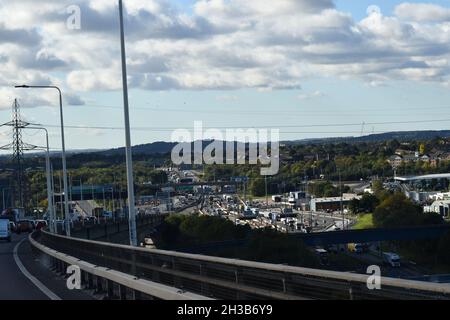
321, 189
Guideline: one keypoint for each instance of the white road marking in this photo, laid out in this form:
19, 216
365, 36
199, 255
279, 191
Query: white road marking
30, 277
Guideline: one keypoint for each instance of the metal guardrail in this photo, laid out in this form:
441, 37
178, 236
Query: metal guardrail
224, 278
113, 283
104, 230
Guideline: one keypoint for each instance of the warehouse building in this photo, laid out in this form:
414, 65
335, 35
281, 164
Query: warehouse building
332, 203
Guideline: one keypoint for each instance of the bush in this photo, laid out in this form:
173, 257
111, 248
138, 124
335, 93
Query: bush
396, 211
270, 246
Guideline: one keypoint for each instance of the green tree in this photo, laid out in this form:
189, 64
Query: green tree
258, 187
368, 202
397, 210
270, 246
378, 190
422, 148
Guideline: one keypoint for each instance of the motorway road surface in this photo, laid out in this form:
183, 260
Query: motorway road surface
23, 277
405, 271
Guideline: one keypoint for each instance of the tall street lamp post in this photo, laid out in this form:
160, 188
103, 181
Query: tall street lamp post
66, 200
129, 160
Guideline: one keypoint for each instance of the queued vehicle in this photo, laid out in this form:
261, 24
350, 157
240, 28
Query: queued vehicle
358, 247
391, 259
25, 226
13, 226
5, 230
39, 224
323, 256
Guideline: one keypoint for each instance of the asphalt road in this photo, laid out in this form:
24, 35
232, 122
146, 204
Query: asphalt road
24, 277
15, 285
405, 271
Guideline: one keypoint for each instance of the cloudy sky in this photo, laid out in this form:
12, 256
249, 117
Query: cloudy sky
312, 68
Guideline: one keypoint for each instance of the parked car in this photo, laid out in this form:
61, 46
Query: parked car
24, 226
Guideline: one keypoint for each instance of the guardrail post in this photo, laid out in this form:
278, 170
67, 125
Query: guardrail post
350, 293
176, 280
90, 281
137, 295
236, 276
58, 266
62, 270
133, 263
110, 289
204, 286
99, 284
83, 279
122, 292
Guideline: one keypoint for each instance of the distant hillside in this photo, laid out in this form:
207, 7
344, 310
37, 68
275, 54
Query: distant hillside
398, 135
159, 147
162, 147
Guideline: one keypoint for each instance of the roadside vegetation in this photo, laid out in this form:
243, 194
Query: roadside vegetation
365, 221
220, 237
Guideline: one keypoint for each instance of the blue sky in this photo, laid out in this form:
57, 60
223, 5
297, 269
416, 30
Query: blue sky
358, 8
305, 86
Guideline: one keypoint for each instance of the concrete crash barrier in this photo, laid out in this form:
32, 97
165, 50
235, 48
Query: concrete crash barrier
97, 274
224, 278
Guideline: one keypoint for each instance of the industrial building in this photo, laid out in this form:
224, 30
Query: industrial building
299, 199
441, 207
332, 203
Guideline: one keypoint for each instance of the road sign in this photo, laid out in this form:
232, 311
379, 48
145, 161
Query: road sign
239, 179
185, 188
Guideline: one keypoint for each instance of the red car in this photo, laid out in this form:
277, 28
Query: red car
40, 224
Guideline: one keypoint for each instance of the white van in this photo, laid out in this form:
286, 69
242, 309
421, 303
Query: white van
5, 230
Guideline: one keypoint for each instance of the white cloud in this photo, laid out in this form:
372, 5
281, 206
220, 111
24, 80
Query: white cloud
422, 12
222, 44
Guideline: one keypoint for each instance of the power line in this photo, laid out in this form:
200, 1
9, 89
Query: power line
253, 127
264, 112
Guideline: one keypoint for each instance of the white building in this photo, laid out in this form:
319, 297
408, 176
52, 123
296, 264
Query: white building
420, 196
299, 199
440, 196
441, 207
332, 203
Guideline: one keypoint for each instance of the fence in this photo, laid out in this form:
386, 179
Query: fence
223, 278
